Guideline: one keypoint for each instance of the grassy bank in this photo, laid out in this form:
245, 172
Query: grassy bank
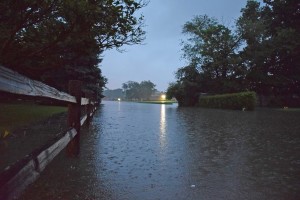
158, 102
16, 115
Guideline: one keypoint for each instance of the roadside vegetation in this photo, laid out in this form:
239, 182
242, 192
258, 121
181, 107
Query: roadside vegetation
235, 101
138, 91
261, 54
54, 41
17, 115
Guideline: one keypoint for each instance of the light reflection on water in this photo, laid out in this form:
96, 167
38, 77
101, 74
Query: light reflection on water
163, 125
119, 106
143, 151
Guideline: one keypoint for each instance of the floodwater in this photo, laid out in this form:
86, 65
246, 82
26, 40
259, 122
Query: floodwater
147, 151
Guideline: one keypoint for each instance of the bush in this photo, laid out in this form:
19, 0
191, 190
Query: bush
236, 101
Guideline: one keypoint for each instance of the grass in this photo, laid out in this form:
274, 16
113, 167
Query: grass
16, 115
159, 102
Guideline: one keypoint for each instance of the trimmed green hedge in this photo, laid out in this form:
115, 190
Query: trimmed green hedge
235, 101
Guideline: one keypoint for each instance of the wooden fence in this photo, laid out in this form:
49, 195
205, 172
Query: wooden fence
15, 178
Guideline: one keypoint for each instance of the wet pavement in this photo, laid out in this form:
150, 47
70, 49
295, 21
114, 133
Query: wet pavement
149, 151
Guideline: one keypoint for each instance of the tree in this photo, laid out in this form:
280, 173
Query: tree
113, 94
138, 91
176, 90
252, 27
40, 38
131, 90
271, 54
267, 64
284, 31
212, 48
187, 88
147, 88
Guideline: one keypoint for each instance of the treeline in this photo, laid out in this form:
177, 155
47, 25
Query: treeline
55, 41
113, 94
138, 91
132, 91
261, 54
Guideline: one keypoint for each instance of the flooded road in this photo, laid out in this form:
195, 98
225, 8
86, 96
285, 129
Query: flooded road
149, 151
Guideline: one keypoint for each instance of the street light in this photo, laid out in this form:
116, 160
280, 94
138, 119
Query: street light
163, 97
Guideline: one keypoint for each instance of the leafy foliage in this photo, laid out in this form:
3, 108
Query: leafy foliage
272, 36
186, 89
113, 94
138, 91
235, 101
212, 48
58, 40
261, 55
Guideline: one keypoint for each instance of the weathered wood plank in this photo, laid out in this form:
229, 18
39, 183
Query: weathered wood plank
83, 119
16, 83
15, 179
85, 101
46, 156
32, 168
13, 188
29, 171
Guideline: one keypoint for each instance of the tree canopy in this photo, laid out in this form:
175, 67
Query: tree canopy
58, 40
138, 91
262, 54
212, 49
271, 33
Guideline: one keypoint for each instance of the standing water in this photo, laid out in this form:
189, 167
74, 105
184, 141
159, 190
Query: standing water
149, 151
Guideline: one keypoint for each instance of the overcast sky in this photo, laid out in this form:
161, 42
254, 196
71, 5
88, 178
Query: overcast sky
160, 56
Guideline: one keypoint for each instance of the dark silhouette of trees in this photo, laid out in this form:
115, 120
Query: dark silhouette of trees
113, 94
56, 40
187, 88
262, 54
138, 91
215, 67
272, 36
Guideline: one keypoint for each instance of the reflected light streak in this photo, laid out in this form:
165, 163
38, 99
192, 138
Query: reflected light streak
162, 136
119, 106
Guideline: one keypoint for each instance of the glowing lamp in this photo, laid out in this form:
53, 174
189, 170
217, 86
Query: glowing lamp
163, 97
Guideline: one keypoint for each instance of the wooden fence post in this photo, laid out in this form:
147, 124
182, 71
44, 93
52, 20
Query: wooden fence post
96, 103
73, 147
89, 107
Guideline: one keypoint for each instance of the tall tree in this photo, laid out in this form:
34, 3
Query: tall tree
252, 27
147, 88
284, 31
215, 63
271, 34
131, 90
42, 37
138, 91
212, 48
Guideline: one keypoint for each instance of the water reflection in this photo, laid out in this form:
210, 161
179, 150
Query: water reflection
119, 106
162, 136
164, 152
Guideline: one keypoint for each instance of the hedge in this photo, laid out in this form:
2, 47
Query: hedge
235, 101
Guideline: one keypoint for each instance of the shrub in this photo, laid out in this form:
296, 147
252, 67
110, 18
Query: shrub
235, 101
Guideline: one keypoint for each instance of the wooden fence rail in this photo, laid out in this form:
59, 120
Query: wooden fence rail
14, 179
